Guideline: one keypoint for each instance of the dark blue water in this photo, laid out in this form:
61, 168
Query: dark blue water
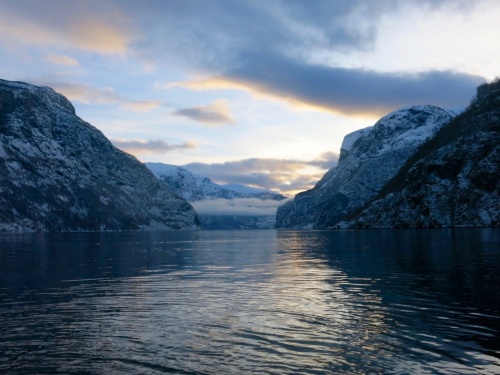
251, 302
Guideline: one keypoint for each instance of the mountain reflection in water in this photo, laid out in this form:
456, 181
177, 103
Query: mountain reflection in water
274, 302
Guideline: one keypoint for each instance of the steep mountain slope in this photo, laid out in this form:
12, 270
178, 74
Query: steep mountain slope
59, 173
196, 188
452, 181
369, 158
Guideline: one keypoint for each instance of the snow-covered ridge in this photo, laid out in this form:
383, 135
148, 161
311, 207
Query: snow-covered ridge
197, 188
369, 158
47, 96
452, 182
351, 138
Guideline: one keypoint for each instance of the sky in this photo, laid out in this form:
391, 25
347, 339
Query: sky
254, 92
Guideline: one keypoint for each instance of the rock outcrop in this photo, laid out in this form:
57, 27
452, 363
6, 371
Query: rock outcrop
59, 173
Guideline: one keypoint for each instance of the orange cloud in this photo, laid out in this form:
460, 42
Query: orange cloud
342, 91
258, 92
98, 36
61, 59
213, 83
153, 146
76, 27
141, 105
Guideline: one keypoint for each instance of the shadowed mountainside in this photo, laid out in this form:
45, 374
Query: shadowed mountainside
59, 173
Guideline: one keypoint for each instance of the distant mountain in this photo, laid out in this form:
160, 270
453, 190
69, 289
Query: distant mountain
59, 173
196, 188
369, 159
453, 180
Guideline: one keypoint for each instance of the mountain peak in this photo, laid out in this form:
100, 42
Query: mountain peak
369, 158
452, 181
196, 188
42, 95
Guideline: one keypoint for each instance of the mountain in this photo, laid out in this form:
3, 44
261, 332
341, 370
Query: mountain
197, 188
221, 207
369, 158
59, 173
452, 181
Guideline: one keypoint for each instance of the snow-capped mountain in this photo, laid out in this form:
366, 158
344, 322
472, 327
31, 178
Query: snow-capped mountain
197, 188
369, 159
59, 173
452, 181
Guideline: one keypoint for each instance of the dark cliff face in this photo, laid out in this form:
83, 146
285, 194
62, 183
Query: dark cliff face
59, 173
452, 181
369, 158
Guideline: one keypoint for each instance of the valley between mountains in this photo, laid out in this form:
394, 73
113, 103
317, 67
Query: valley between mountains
417, 167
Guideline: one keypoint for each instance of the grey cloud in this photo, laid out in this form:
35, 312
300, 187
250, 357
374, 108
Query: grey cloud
155, 146
268, 46
213, 114
214, 35
282, 174
354, 91
217, 34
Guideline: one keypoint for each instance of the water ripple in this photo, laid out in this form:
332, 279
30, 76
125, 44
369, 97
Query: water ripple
225, 303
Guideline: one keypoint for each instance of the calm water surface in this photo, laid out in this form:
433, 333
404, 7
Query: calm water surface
251, 302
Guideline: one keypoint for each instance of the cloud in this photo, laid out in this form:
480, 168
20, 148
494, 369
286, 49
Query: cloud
216, 113
154, 146
287, 175
61, 59
239, 206
88, 94
343, 90
281, 55
141, 105
217, 35
326, 160
91, 26
287, 54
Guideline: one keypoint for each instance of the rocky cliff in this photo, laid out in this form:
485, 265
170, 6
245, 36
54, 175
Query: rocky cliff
59, 173
369, 159
452, 181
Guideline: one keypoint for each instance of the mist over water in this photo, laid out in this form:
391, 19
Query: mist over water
274, 302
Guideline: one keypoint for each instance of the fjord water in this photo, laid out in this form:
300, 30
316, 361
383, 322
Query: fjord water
251, 302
